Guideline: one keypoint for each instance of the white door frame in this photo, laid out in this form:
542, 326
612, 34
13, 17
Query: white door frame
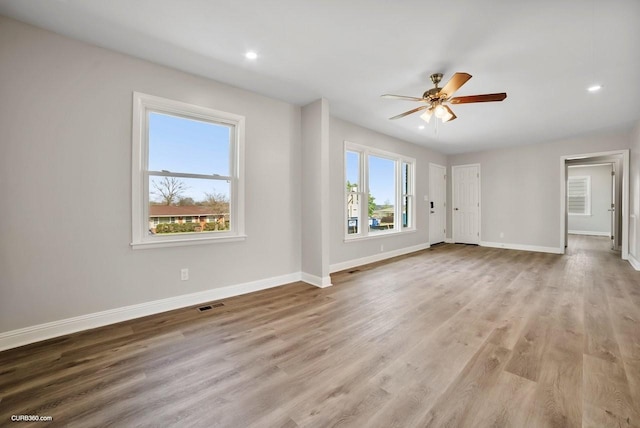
431, 164
625, 195
452, 181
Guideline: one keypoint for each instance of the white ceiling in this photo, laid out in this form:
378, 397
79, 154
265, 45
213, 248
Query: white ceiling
543, 53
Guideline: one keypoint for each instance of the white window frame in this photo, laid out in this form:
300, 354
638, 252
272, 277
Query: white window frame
143, 104
587, 199
363, 219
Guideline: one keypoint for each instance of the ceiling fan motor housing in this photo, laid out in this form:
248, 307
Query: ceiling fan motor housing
431, 94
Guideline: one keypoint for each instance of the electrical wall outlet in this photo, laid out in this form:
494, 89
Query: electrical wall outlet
502, 234
184, 274
381, 248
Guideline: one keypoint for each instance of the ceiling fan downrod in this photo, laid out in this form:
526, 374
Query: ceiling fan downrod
436, 78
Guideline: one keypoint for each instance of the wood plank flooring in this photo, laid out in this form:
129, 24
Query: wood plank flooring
453, 336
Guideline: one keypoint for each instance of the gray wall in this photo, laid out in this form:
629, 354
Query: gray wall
520, 187
341, 251
315, 197
65, 171
600, 219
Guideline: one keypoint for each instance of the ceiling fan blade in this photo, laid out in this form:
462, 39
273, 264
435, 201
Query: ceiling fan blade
456, 81
407, 113
451, 116
478, 98
401, 97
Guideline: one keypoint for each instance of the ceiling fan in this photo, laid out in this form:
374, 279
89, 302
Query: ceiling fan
436, 98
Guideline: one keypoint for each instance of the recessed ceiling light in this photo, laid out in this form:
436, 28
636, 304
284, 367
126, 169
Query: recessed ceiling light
421, 127
594, 88
251, 55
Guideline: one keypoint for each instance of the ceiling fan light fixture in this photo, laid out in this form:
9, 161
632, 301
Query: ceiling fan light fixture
426, 116
447, 116
440, 111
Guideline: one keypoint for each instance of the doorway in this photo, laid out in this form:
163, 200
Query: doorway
465, 195
609, 207
591, 200
437, 203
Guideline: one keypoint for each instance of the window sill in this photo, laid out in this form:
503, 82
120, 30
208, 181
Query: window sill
185, 242
378, 235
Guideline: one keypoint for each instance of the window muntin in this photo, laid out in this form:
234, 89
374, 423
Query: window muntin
579, 195
385, 182
187, 165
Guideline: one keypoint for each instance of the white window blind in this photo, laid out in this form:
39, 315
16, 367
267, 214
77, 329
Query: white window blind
579, 195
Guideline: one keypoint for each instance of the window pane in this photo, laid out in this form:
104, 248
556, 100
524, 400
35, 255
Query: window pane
353, 213
382, 195
353, 171
406, 210
188, 205
191, 146
406, 184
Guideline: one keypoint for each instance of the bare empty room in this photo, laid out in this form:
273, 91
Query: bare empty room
313, 214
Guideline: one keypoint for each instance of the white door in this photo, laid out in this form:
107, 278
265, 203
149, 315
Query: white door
437, 203
465, 186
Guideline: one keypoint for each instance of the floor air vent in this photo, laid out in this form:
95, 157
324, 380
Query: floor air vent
209, 307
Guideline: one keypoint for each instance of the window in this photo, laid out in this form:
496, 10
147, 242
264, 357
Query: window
378, 193
579, 195
354, 192
407, 194
187, 182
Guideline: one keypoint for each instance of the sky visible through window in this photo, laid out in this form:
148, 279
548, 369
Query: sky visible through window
184, 145
352, 168
382, 180
381, 177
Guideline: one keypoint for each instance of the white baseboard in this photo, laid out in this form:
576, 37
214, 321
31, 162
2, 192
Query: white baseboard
588, 232
535, 248
449, 241
336, 267
36, 333
634, 262
321, 282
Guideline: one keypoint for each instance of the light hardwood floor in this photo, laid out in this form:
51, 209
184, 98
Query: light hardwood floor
456, 336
